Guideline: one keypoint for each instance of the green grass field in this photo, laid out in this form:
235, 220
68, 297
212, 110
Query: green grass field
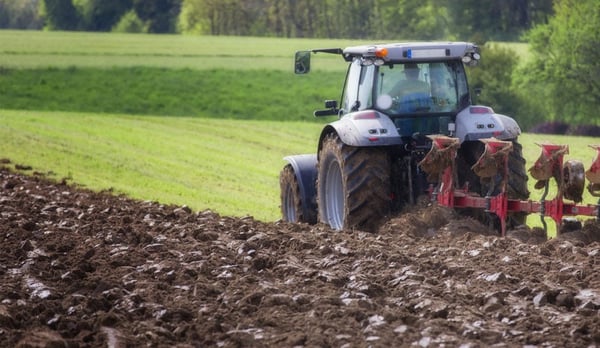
37, 49
213, 93
196, 121
229, 166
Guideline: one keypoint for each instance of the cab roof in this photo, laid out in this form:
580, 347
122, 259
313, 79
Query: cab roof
413, 51
410, 51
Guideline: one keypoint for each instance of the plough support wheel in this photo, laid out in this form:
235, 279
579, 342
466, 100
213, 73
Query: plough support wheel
573, 180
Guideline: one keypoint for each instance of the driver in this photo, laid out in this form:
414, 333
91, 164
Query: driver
411, 83
411, 94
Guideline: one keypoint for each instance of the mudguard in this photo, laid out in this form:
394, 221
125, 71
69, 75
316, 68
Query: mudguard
305, 168
364, 128
480, 122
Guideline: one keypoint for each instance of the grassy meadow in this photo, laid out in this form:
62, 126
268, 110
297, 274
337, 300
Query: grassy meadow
40, 49
196, 121
212, 93
229, 166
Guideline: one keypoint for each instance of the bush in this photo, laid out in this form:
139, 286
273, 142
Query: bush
555, 127
494, 78
130, 23
585, 130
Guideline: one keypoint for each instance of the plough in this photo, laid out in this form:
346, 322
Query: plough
492, 165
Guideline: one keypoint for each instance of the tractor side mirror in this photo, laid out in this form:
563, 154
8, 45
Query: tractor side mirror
331, 109
331, 104
302, 62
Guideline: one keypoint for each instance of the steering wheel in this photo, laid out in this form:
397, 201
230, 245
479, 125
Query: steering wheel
412, 102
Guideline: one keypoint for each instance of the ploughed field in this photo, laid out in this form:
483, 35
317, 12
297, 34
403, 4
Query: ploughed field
84, 269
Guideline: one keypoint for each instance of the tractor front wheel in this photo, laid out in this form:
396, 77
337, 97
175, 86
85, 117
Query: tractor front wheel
291, 198
353, 185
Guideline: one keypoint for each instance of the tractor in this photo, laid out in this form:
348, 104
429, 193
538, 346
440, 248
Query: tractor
407, 130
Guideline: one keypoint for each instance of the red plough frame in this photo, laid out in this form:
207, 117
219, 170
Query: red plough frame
494, 161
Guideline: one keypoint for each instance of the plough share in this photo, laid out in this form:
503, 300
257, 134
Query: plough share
492, 166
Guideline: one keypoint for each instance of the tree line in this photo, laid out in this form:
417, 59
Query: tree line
147, 16
366, 19
350, 19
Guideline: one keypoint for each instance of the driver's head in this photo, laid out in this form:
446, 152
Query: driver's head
411, 70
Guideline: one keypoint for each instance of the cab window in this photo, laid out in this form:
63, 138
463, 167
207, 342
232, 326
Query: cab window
424, 87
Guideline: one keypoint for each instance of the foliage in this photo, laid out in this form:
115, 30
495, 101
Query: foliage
100, 15
130, 23
493, 19
160, 15
365, 19
157, 16
21, 14
193, 18
494, 78
219, 17
564, 70
59, 15
352, 19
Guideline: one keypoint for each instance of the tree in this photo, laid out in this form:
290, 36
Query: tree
130, 23
100, 15
159, 15
59, 15
564, 73
368, 19
20, 14
235, 17
493, 19
193, 18
494, 78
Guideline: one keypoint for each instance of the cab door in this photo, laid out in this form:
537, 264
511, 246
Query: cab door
358, 88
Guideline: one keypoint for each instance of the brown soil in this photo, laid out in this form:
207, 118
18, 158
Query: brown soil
84, 269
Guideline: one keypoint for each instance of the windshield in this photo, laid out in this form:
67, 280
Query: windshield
408, 88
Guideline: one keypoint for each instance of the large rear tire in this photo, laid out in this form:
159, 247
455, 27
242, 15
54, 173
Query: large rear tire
353, 185
516, 188
291, 199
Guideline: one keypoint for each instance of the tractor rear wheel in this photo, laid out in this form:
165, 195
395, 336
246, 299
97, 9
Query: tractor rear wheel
516, 188
291, 199
353, 185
